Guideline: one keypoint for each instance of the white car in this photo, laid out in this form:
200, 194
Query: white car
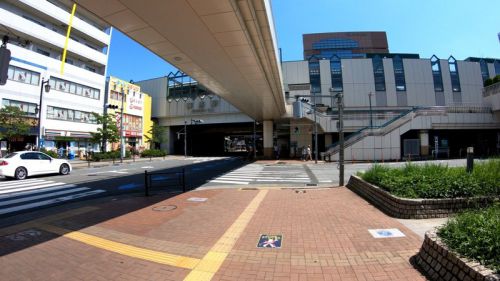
22, 164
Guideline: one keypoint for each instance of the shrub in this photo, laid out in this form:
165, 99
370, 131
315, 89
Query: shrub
488, 82
476, 235
50, 153
436, 181
153, 153
496, 79
109, 155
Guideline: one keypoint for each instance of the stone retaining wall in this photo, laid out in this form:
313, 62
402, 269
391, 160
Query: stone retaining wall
438, 263
412, 208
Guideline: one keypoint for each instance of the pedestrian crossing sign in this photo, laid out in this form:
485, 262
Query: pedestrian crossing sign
270, 241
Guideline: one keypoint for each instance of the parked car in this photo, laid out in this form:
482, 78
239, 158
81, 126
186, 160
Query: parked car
22, 164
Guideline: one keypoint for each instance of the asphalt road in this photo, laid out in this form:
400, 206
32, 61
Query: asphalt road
106, 180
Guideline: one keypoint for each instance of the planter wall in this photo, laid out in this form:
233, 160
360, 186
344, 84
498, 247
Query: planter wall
412, 208
438, 263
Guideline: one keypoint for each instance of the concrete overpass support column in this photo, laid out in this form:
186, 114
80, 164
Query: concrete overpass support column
424, 143
267, 127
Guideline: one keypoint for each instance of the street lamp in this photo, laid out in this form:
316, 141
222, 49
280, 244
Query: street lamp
47, 89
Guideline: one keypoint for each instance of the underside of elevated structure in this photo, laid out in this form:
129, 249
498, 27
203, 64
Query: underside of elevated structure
229, 46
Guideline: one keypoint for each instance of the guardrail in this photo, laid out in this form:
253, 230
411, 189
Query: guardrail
167, 179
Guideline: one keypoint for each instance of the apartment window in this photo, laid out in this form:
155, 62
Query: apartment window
378, 73
70, 61
90, 68
314, 75
26, 107
336, 72
484, 69
74, 88
436, 74
23, 75
399, 73
455, 79
42, 52
66, 114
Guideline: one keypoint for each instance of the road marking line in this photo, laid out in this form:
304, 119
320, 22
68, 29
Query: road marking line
235, 182
31, 198
20, 182
28, 192
11, 186
212, 261
124, 249
31, 187
51, 201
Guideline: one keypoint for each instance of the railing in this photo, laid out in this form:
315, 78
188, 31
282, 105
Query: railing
491, 90
401, 119
167, 179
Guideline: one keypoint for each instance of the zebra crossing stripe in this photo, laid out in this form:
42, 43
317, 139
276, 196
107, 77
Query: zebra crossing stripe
226, 181
31, 187
36, 197
18, 182
48, 202
28, 192
10, 186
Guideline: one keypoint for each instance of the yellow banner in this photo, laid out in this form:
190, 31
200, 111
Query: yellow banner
63, 61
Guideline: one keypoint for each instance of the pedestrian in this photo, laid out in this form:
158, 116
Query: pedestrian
304, 153
277, 152
309, 153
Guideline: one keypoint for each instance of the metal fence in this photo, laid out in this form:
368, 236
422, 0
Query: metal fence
164, 180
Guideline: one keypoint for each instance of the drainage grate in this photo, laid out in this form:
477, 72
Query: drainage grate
164, 208
311, 184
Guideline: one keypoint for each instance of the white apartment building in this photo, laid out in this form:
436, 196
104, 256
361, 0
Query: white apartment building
37, 34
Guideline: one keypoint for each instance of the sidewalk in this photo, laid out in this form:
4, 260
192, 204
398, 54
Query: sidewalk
324, 236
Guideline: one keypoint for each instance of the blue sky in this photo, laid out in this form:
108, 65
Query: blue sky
461, 28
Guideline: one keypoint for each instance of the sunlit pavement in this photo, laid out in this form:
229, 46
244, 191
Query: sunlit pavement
305, 234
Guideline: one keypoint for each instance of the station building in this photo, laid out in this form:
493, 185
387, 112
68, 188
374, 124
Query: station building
396, 106
37, 36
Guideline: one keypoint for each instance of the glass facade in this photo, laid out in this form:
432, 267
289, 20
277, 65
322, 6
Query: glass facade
455, 79
378, 73
335, 43
399, 73
496, 64
436, 74
336, 73
485, 73
314, 75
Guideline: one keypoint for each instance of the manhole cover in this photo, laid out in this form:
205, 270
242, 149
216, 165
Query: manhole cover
164, 208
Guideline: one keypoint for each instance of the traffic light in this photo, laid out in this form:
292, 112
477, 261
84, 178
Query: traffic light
112, 106
4, 61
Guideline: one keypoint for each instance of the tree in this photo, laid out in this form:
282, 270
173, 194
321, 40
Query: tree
13, 123
157, 133
108, 132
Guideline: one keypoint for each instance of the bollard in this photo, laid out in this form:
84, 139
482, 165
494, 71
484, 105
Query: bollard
470, 159
146, 185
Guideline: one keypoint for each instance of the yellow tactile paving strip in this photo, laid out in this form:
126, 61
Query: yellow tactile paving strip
124, 249
212, 261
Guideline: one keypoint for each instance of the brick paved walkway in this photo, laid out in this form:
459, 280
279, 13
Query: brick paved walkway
325, 237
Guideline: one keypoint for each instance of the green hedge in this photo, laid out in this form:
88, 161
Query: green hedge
108, 155
436, 181
50, 153
153, 153
476, 235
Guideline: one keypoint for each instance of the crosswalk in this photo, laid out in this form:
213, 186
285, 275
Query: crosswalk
27, 194
254, 173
